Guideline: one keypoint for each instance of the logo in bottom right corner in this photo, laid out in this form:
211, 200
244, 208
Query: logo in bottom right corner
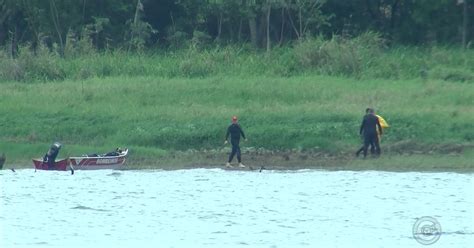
426, 230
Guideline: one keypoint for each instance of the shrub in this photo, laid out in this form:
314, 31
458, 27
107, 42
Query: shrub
200, 39
193, 68
196, 64
177, 39
452, 74
339, 56
28, 66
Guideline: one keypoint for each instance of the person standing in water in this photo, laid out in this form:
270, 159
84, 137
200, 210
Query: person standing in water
235, 131
368, 128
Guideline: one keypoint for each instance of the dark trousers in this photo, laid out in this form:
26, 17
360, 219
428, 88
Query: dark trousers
235, 150
373, 141
372, 149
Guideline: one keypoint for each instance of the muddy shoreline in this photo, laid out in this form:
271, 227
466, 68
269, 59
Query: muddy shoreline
448, 159
454, 161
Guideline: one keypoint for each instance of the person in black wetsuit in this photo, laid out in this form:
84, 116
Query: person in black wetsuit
372, 148
368, 128
235, 131
50, 157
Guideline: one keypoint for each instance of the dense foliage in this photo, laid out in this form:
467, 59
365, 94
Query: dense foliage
362, 57
102, 24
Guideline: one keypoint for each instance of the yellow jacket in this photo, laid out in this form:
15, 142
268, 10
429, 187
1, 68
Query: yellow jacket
382, 121
383, 124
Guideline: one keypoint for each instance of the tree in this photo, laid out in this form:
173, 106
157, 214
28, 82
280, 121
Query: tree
134, 24
140, 31
308, 13
465, 18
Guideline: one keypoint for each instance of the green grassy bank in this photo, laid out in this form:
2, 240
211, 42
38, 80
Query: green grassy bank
303, 101
159, 117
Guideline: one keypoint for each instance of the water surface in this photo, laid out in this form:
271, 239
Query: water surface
213, 207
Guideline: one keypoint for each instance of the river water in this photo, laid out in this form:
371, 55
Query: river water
219, 208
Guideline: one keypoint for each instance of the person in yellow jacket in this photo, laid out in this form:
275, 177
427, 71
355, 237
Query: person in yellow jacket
383, 124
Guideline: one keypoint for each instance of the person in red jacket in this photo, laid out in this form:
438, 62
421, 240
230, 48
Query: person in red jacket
234, 131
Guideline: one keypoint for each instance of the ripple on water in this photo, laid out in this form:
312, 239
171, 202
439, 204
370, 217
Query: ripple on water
114, 174
40, 243
80, 207
201, 179
219, 207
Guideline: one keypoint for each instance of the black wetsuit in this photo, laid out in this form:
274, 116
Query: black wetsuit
368, 128
50, 158
235, 131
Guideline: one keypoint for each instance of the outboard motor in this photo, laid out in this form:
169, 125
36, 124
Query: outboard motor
2, 160
50, 156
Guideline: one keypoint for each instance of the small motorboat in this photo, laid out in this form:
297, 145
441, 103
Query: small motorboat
60, 165
112, 160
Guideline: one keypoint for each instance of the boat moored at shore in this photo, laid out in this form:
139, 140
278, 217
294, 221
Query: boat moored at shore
98, 162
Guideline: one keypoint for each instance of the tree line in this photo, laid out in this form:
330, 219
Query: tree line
139, 24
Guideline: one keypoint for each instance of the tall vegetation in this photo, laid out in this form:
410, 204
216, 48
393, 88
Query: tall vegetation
263, 23
364, 57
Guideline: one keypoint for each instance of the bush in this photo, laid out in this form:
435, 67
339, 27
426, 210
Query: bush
177, 39
310, 54
364, 56
452, 74
196, 64
28, 66
9, 68
339, 56
200, 39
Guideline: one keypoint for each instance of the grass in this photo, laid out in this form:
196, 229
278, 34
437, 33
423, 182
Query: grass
460, 163
364, 57
307, 97
155, 116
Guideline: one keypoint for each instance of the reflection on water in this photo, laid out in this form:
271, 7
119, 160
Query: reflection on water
202, 207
